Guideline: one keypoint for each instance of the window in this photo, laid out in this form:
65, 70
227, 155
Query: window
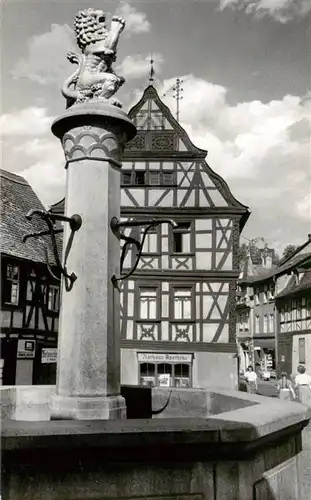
147, 374
257, 298
165, 374
182, 238
151, 243
126, 178
265, 294
182, 304
11, 288
182, 375
302, 350
265, 323
271, 323
148, 303
257, 323
53, 298
271, 292
151, 178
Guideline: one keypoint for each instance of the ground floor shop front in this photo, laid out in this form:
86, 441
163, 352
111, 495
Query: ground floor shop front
180, 368
28, 359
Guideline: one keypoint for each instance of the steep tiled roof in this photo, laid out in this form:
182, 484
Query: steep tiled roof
294, 287
299, 260
17, 198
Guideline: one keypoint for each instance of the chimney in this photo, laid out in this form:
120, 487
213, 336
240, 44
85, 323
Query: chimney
266, 258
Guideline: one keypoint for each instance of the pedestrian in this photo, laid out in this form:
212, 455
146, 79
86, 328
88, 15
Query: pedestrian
285, 388
251, 380
303, 385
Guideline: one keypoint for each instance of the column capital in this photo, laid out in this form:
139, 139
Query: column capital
97, 132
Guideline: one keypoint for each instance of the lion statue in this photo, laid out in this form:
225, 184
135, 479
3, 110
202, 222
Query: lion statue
94, 79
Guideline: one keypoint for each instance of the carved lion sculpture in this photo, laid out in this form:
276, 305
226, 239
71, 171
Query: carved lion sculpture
94, 79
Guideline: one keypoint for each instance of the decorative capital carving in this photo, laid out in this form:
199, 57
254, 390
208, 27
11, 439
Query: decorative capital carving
93, 143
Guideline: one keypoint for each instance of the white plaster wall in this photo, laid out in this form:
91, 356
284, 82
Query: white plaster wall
129, 367
213, 370
295, 358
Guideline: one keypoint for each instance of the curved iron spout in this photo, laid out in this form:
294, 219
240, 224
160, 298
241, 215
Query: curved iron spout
75, 223
116, 226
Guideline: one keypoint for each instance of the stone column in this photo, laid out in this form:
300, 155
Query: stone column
88, 371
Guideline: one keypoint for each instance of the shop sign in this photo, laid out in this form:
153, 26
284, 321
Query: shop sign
49, 355
151, 357
26, 349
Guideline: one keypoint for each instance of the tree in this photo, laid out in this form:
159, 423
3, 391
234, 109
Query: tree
288, 251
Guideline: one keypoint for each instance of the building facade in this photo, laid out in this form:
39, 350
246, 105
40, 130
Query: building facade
29, 295
274, 313
178, 318
256, 314
178, 308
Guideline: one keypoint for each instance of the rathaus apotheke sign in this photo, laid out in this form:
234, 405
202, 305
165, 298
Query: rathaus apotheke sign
171, 358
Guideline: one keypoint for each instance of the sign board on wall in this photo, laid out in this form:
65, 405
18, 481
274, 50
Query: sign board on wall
151, 357
49, 355
26, 349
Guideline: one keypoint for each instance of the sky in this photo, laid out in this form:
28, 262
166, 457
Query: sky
246, 71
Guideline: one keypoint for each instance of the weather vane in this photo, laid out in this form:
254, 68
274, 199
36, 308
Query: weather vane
177, 95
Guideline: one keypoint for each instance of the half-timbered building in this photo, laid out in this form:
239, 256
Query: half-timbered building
29, 296
178, 324
178, 308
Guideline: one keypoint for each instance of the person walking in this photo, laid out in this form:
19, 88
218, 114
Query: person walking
303, 386
251, 380
285, 388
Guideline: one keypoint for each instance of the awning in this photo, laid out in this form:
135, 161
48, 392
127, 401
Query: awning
264, 343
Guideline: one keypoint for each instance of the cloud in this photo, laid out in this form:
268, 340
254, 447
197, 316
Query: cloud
138, 66
46, 62
25, 122
261, 148
136, 22
30, 149
281, 10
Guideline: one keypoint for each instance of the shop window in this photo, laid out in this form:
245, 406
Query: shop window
148, 304
148, 374
181, 238
164, 375
53, 298
302, 350
182, 303
11, 285
182, 375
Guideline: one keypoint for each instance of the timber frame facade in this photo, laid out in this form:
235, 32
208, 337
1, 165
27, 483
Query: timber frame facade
30, 297
181, 299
